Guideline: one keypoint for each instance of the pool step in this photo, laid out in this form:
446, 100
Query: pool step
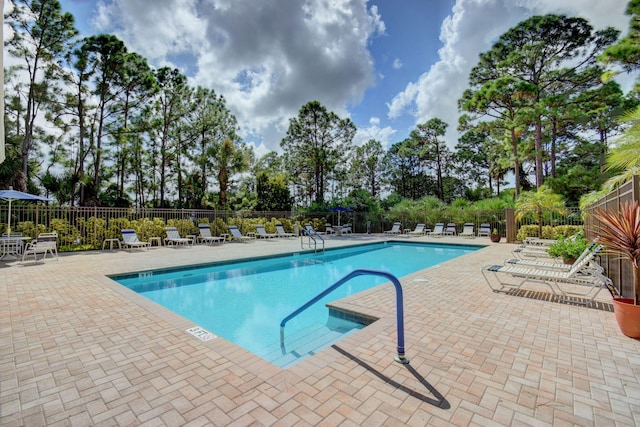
307, 342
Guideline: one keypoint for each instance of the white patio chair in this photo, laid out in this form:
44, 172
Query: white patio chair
206, 237
396, 229
130, 240
237, 235
262, 233
173, 237
467, 230
46, 243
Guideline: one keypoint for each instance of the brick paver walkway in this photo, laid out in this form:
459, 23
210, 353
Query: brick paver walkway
77, 349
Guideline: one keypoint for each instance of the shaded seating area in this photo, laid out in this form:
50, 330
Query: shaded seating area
237, 235
282, 233
262, 233
174, 238
206, 236
45, 243
12, 244
130, 240
395, 229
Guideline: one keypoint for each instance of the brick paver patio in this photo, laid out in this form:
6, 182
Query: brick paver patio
78, 349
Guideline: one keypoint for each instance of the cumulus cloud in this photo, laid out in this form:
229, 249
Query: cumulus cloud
469, 30
267, 58
374, 131
397, 64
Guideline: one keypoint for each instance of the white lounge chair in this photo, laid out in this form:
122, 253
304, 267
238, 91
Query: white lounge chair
130, 240
396, 229
282, 233
418, 231
173, 237
237, 235
438, 230
206, 236
508, 278
484, 230
346, 229
44, 244
262, 233
467, 230
588, 253
451, 229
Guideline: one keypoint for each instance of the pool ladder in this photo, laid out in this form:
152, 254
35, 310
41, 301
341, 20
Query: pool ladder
312, 239
400, 356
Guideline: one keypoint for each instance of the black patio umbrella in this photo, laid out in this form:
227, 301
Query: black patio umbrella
10, 195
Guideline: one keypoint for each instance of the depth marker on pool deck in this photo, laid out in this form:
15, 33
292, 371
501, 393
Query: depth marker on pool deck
201, 333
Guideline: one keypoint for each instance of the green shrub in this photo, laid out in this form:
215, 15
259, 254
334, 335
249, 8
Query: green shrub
568, 248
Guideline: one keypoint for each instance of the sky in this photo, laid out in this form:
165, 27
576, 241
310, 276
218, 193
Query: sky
386, 64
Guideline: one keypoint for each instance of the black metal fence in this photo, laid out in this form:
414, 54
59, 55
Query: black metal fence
87, 228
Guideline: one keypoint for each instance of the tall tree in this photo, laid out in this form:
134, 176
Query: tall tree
433, 152
317, 141
366, 167
527, 64
41, 36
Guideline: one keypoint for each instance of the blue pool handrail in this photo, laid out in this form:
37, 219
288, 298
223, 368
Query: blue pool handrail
400, 356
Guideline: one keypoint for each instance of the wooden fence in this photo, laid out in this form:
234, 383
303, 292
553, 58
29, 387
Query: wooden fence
619, 270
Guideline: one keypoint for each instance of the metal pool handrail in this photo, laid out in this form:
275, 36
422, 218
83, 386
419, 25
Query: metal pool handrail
310, 235
400, 357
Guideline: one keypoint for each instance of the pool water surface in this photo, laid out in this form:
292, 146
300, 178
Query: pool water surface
244, 302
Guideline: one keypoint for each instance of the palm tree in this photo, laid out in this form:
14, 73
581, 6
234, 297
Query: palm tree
626, 156
544, 199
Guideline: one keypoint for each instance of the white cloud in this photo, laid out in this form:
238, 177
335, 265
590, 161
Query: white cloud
374, 131
267, 58
470, 30
397, 64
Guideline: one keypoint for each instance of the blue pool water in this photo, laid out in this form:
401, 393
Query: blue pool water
244, 302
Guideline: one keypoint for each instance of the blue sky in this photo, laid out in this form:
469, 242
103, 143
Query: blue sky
386, 64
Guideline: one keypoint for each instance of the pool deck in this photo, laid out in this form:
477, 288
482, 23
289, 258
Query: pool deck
77, 349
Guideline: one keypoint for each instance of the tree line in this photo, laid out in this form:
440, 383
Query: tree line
122, 133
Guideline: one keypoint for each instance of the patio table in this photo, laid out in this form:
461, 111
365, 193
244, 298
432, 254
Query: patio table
12, 246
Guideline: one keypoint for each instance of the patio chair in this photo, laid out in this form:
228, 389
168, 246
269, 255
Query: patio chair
12, 244
206, 237
328, 229
531, 252
484, 230
509, 278
237, 235
262, 233
346, 229
282, 233
173, 237
418, 231
589, 253
44, 244
467, 230
310, 231
438, 230
130, 240
396, 229
451, 229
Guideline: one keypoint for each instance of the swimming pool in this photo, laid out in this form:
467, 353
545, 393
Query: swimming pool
245, 301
